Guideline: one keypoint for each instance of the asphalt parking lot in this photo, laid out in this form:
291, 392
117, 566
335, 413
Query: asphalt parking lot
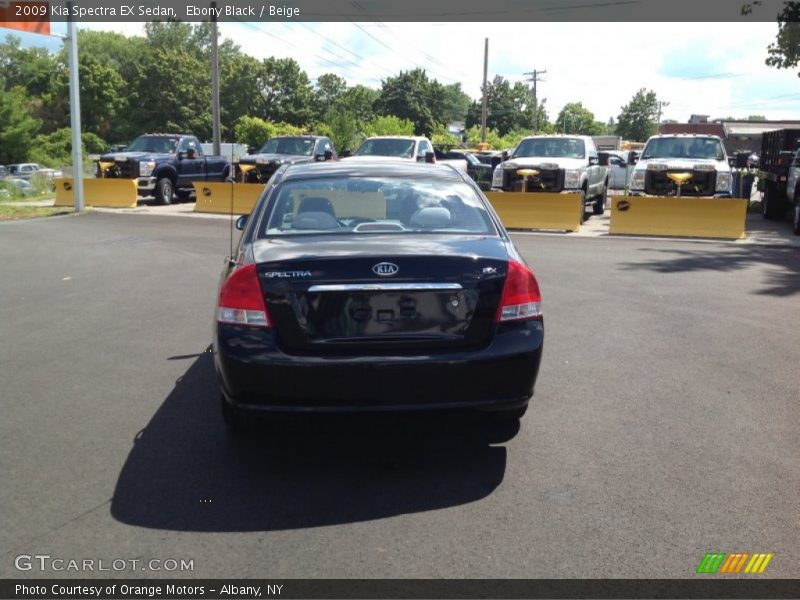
665, 422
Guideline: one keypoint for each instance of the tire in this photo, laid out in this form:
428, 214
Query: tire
599, 206
235, 422
770, 203
165, 191
505, 416
583, 206
184, 194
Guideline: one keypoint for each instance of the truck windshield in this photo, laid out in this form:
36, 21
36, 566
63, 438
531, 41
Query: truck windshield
556, 148
386, 147
288, 146
692, 147
149, 143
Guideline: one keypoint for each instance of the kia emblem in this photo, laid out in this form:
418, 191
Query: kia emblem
385, 269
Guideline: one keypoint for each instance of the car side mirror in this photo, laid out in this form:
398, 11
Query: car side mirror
319, 157
504, 156
181, 155
241, 222
604, 159
191, 153
346, 153
328, 154
593, 160
633, 158
430, 157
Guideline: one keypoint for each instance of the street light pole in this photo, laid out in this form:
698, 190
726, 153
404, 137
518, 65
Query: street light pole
75, 112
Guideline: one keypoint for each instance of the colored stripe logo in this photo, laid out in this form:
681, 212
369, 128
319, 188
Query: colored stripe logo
735, 562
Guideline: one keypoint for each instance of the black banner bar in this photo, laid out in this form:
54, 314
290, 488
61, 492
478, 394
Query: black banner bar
174, 589
595, 11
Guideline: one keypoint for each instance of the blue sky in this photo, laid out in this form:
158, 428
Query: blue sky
714, 69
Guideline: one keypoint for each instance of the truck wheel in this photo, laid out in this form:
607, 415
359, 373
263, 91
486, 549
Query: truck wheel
164, 191
770, 203
599, 206
583, 206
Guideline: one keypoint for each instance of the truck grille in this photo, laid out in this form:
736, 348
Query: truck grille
122, 169
548, 180
260, 174
702, 183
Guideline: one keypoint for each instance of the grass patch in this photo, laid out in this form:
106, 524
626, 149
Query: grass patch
10, 212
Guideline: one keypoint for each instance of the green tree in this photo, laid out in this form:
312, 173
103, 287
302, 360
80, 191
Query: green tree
576, 119
359, 101
343, 129
442, 138
508, 107
285, 92
389, 125
253, 131
30, 68
330, 88
17, 125
756, 118
102, 92
636, 121
456, 103
412, 96
785, 52
55, 149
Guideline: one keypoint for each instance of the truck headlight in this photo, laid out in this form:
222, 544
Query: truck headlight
497, 176
724, 181
637, 180
146, 168
572, 179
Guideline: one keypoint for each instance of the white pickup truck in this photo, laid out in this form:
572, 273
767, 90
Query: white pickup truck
402, 148
562, 163
682, 165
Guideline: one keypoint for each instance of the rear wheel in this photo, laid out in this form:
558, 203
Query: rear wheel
770, 203
505, 416
235, 422
164, 191
599, 206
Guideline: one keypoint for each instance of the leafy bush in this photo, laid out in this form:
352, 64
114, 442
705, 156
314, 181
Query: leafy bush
253, 131
55, 149
388, 125
443, 139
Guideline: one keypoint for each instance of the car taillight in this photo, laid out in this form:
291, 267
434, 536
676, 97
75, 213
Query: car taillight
521, 297
240, 299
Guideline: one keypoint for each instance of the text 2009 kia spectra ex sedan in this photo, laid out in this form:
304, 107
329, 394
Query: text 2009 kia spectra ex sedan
375, 286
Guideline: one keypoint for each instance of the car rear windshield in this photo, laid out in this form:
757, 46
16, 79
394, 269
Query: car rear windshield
147, 143
389, 205
556, 148
386, 147
708, 148
288, 146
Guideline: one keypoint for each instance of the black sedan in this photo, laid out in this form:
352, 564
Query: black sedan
375, 286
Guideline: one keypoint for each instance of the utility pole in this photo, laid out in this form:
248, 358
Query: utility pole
661, 104
75, 112
535, 77
215, 128
485, 89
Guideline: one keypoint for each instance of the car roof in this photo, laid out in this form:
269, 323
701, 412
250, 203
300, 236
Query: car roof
685, 135
369, 168
397, 137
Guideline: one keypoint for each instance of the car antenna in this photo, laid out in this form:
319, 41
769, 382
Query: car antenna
233, 180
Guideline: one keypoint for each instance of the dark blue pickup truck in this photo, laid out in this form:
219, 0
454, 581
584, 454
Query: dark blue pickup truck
164, 165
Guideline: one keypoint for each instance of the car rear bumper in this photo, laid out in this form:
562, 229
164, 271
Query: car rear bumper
254, 374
